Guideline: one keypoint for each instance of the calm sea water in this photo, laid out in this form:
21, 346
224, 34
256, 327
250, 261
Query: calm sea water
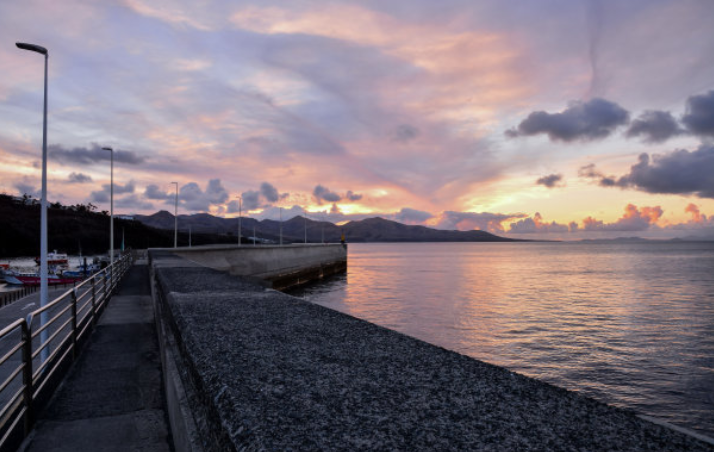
629, 324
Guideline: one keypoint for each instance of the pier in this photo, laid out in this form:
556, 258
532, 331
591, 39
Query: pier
245, 367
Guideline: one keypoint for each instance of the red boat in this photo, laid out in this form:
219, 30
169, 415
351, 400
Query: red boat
33, 279
54, 259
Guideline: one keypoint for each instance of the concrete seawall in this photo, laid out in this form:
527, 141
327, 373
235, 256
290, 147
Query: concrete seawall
261, 370
282, 266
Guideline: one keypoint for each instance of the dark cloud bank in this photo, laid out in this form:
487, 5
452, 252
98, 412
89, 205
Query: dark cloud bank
678, 172
599, 118
585, 121
654, 127
86, 156
324, 194
550, 181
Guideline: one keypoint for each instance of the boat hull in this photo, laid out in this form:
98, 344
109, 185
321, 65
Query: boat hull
35, 280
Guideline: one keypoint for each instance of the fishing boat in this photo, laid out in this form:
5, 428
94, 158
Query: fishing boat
33, 279
54, 258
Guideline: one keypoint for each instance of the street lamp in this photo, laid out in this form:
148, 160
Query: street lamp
111, 208
240, 215
306, 227
176, 217
281, 225
43, 215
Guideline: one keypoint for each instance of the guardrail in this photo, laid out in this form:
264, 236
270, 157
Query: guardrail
10, 297
29, 384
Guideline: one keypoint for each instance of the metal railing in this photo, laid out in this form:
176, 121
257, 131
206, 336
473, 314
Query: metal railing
12, 296
31, 364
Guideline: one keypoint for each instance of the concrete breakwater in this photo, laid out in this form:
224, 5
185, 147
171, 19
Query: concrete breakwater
281, 266
256, 369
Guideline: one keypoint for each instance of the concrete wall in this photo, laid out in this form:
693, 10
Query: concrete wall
284, 265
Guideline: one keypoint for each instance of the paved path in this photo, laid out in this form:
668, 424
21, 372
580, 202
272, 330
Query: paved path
112, 398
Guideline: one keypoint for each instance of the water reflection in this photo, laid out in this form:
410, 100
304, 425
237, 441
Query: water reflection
630, 324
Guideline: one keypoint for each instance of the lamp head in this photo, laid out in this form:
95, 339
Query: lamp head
31, 47
108, 149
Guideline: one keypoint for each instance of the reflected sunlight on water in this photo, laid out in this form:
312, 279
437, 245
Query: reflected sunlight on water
628, 324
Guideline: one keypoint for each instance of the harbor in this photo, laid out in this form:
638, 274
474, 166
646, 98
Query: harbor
245, 367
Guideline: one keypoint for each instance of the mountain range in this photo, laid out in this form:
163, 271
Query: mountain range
298, 228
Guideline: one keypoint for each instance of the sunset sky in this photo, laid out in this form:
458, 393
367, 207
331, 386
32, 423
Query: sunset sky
561, 119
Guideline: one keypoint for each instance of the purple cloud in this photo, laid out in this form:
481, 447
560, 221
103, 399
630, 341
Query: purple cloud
699, 118
654, 127
679, 172
79, 178
585, 121
550, 181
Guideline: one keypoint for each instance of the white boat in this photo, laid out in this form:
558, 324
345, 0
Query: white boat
54, 258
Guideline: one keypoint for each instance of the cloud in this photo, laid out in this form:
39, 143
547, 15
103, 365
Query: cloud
679, 172
153, 192
264, 197
412, 216
550, 181
133, 202
699, 118
251, 200
121, 189
86, 156
104, 195
484, 221
269, 192
193, 198
324, 194
654, 127
353, 196
100, 196
590, 172
536, 224
79, 178
25, 188
404, 133
697, 216
215, 192
633, 220
585, 121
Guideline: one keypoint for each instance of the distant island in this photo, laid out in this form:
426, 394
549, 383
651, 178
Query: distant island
368, 230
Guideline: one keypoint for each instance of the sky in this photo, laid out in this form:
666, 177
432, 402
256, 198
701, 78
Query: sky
555, 119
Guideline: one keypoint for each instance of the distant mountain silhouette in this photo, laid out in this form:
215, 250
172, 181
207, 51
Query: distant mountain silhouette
369, 230
78, 229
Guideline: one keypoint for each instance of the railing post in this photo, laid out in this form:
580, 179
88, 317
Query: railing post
27, 373
94, 299
74, 324
106, 278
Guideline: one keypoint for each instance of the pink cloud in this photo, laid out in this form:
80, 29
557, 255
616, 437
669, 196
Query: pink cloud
634, 219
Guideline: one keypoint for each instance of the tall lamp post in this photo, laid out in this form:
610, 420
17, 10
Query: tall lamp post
240, 217
176, 217
43, 215
111, 207
281, 226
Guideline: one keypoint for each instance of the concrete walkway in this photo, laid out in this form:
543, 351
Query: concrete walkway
112, 398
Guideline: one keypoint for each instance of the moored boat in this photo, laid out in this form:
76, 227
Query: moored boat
54, 258
33, 279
